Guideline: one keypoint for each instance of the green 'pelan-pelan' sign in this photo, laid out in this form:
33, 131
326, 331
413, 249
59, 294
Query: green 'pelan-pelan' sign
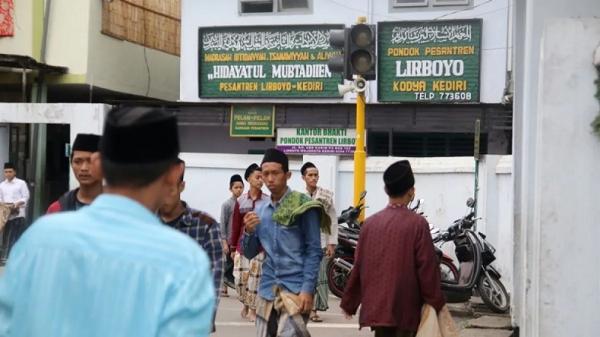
428, 62
252, 121
266, 61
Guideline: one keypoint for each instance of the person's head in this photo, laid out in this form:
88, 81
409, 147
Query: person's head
253, 176
173, 197
310, 175
85, 168
9, 171
139, 152
399, 180
275, 171
236, 185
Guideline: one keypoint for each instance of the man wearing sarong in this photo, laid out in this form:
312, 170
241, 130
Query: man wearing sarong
288, 229
247, 271
310, 175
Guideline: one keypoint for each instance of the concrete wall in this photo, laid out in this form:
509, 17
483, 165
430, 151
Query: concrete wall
22, 41
120, 65
444, 183
225, 13
556, 161
4, 143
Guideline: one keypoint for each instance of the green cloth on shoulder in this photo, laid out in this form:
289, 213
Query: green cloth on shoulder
294, 204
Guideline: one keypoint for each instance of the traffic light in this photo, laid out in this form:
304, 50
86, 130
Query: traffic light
338, 39
357, 46
361, 50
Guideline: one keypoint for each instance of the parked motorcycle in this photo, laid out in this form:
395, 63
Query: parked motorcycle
475, 256
339, 267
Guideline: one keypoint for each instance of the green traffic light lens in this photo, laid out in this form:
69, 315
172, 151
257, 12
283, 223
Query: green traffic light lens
362, 61
362, 36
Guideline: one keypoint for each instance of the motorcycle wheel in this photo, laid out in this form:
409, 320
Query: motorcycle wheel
493, 293
449, 272
337, 277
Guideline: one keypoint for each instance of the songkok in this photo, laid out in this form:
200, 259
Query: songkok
234, 178
276, 156
86, 142
253, 167
306, 167
140, 135
398, 178
9, 166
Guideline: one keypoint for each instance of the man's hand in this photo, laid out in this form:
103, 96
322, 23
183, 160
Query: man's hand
306, 302
225, 246
251, 220
233, 255
330, 250
346, 315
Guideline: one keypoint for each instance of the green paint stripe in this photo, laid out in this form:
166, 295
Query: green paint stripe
38, 28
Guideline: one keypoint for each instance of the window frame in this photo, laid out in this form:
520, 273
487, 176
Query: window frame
414, 3
439, 3
276, 8
430, 5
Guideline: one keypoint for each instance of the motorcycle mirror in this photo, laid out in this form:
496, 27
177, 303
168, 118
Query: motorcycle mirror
471, 202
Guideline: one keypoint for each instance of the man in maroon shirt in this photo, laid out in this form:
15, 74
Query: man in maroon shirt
395, 270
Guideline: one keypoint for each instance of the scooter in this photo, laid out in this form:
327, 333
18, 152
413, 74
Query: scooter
475, 256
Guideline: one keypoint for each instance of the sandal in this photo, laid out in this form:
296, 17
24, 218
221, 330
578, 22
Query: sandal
316, 319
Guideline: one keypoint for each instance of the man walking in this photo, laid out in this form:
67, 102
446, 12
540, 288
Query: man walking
395, 270
247, 271
86, 169
236, 187
112, 268
288, 229
310, 175
15, 194
198, 225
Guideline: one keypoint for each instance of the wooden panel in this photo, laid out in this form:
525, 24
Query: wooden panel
152, 23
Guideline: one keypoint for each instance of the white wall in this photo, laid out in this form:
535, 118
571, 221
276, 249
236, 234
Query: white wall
444, 183
494, 13
530, 19
68, 38
560, 248
22, 41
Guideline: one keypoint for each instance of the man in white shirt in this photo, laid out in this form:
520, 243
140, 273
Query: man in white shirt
15, 194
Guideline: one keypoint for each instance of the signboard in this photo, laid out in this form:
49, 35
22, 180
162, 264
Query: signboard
252, 121
316, 140
432, 61
266, 61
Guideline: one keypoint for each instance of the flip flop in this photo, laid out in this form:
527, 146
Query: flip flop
316, 319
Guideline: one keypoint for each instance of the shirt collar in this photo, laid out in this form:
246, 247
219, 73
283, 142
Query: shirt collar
260, 194
276, 204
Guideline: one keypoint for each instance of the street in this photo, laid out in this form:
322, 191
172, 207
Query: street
229, 323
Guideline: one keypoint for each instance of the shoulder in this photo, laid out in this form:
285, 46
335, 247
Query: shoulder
202, 217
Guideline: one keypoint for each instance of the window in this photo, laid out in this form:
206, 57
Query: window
273, 6
409, 3
400, 5
450, 2
404, 144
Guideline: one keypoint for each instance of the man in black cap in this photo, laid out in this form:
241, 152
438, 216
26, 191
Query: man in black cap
236, 187
247, 272
87, 171
15, 195
396, 269
288, 228
112, 268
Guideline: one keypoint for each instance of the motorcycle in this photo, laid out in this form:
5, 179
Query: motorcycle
475, 271
339, 267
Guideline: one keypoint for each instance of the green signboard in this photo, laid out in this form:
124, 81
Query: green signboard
252, 121
432, 61
266, 61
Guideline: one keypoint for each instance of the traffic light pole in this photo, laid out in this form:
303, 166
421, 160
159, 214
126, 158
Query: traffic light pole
360, 156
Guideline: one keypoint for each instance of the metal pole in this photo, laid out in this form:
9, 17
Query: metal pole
360, 156
476, 156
